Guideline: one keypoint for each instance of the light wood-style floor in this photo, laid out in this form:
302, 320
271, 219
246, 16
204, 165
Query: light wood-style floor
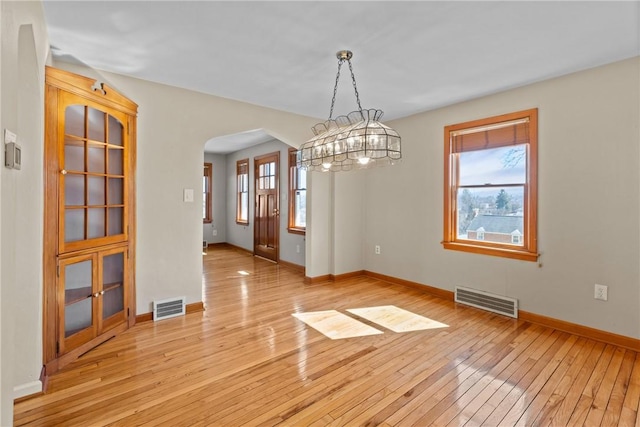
246, 361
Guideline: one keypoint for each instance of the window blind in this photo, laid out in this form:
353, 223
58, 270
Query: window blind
497, 135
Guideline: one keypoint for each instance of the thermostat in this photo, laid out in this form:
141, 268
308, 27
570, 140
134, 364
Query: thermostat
12, 151
12, 155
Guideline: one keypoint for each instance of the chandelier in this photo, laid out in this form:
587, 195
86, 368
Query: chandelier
357, 140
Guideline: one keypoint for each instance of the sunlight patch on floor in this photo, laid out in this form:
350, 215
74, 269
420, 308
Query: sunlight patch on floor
336, 325
396, 319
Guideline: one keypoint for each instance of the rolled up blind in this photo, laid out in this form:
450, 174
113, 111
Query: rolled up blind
503, 134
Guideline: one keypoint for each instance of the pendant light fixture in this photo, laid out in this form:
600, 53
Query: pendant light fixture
355, 141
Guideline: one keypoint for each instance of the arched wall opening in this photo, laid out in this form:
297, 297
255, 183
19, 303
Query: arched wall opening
224, 153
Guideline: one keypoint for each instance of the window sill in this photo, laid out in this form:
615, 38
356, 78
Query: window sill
242, 223
520, 254
301, 231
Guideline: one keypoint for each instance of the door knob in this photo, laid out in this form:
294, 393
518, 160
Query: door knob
101, 292
96, 295
63, 171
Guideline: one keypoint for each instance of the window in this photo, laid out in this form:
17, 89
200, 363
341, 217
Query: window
490, 202
297, 196
242, 191
206, 194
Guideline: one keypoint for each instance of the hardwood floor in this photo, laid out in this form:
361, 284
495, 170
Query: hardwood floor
247, 361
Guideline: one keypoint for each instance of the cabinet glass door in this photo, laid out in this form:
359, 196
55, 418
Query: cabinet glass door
112, 293
77, 283
92, 176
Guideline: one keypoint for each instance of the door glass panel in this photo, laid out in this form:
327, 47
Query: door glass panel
96, 159
115, 161
115, 191
112, 279
115, 221
74, 155
96, 190
113, 269
96, 223
77, 290
115, 131
113, 302
77, 317
73, 225
96, 124
73, 190
74, 120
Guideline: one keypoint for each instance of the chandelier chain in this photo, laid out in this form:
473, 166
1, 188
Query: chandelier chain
335, 88
355, 88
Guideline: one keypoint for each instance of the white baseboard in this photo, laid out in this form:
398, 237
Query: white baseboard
26, 389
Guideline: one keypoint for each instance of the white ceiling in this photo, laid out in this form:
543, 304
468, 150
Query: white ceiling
409, 57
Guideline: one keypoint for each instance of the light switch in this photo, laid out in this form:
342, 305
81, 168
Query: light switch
188, 195
9, 137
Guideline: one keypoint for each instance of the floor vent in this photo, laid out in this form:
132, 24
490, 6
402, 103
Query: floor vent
168, 308
485, 300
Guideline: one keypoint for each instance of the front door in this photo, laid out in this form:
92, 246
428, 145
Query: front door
267, 212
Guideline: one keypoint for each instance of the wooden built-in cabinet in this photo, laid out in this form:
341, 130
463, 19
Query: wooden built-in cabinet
89, 224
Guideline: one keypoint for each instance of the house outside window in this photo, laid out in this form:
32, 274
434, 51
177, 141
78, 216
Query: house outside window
496, 228
516, 237
242, 191
491, 186
206, 194
297, 196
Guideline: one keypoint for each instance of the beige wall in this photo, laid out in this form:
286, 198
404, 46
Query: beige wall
588, 210
349, 218
24, 52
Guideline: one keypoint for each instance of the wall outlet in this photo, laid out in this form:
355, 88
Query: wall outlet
600, 292
377, 249
215, 232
